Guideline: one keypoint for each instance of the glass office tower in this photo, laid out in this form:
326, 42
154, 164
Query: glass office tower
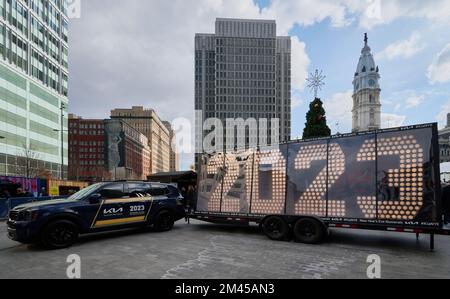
33, 88
243, 71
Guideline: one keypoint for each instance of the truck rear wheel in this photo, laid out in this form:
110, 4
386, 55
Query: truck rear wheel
309, 231
59, 234
275, 228
164, 221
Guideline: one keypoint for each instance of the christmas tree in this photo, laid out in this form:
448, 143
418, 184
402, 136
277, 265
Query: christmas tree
316, 122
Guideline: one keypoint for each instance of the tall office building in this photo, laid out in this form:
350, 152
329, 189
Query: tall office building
243, 70
33, 87
174, 155
148, 123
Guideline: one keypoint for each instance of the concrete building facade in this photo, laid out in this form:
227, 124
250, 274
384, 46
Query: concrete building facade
148, 123
174, 154
33, 87
444, 142
243, 71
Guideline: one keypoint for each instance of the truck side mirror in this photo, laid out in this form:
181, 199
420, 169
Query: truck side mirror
95, 198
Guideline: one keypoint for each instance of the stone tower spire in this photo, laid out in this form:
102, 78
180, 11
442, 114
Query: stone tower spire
366, 94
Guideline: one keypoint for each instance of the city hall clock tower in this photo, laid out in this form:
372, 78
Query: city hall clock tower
366, 94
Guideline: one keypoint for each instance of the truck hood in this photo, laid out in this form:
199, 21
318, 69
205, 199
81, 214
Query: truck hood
47, 203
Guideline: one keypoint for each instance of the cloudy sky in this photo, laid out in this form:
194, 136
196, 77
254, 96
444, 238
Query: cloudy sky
141, 52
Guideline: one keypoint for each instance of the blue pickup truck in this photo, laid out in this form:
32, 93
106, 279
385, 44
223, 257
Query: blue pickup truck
101, 207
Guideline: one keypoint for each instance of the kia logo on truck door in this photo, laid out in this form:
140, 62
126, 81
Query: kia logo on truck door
113, 211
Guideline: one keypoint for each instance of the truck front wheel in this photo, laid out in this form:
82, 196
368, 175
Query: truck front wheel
275, 228
59, 234
309, 231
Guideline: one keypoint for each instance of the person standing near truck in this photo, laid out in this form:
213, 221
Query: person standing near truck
446, 203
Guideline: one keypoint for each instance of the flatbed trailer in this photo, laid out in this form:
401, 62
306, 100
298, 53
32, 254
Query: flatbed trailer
385, 180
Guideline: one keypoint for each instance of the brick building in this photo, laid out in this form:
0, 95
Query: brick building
102, 150
87, 149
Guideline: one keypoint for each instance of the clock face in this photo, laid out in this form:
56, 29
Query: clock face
371, 83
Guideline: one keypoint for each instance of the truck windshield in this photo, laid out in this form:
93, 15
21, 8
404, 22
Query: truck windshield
82, 193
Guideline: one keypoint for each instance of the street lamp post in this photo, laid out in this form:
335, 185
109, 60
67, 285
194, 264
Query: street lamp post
63, 106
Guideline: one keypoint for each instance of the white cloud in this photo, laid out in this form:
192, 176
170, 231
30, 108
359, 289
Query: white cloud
300, 63
392, 120
307, 12
414, 101
339, 111
379, 12
439, 70
403, 49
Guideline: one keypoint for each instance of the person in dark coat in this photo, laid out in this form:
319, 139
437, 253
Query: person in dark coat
446, 203
5, 194
190, 197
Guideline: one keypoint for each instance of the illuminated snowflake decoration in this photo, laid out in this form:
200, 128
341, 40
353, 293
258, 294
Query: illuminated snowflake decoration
316, 81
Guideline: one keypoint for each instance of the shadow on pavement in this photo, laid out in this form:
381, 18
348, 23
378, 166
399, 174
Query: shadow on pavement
362, 238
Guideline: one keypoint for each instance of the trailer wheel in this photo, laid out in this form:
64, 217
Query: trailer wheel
275, 228
309, 231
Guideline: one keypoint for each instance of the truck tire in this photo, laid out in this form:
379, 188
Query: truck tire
164, 221
275, 228
309, 231
59, 234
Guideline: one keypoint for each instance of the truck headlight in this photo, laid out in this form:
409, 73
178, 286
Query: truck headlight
29, 216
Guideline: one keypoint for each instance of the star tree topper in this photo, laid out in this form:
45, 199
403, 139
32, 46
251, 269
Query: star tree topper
316, 81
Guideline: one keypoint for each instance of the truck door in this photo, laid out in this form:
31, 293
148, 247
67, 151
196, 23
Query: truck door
115, 207
139, 201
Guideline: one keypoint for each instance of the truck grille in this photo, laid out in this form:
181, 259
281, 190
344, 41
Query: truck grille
14, 215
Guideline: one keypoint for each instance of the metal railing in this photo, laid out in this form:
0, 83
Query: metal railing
7, 204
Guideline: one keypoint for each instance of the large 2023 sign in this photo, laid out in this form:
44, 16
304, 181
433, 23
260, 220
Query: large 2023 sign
384, 176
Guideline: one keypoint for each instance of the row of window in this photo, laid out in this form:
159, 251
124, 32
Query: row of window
15, 50
87, 132
86, 126
245, 91
16, 12
246, 42
246, 67
246, 83
87, 143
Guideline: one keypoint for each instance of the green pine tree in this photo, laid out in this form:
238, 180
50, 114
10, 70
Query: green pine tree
316, 122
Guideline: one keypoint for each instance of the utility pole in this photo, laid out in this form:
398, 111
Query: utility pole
62, 139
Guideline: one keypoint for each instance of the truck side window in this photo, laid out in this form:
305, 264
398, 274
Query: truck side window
113, 191
159, 191
136, 190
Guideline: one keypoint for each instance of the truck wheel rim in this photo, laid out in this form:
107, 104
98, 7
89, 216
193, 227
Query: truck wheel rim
62, 235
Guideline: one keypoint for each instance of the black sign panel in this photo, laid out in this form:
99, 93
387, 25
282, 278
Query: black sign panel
384, 176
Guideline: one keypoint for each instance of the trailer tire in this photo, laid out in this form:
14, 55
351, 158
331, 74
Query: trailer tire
309, 231
275, 228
